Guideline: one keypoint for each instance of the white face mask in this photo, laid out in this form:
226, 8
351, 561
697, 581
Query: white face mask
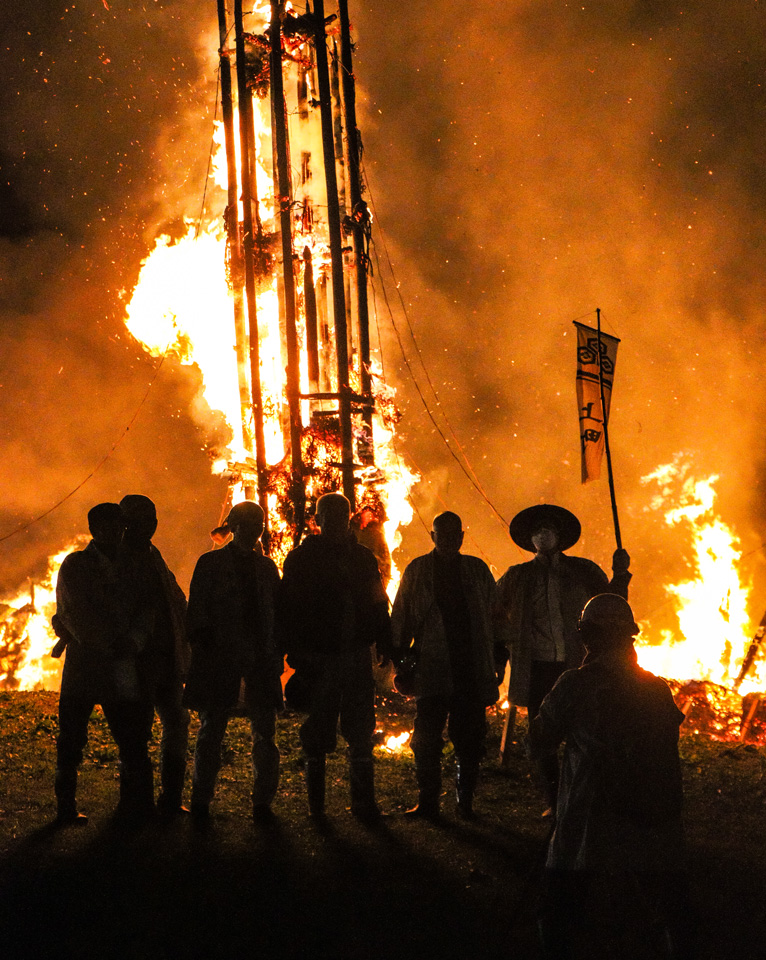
545, 540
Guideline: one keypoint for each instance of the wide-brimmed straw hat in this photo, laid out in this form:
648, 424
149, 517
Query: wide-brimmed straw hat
529, 521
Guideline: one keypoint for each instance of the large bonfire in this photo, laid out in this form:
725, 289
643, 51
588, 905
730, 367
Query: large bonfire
266, 297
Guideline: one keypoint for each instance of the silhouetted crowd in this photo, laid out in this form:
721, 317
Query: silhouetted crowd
135, 647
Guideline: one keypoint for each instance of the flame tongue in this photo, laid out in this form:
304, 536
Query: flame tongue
713, 624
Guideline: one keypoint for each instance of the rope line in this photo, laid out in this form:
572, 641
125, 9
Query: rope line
410, 498
474, 483
25, 526
94, 471
419, 353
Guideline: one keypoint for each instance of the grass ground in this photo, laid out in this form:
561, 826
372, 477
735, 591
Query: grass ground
292, 890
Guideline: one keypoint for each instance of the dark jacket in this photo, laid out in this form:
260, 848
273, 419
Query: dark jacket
416, 616
155, 599
620, 798
231, 633
331, 596
93, 614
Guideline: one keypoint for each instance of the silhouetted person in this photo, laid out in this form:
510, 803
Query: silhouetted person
332, 610
538, 603
230, 624
160, 606
92, 618
618, 837
442, 617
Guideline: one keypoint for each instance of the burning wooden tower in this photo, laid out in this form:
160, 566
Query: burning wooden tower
297, 226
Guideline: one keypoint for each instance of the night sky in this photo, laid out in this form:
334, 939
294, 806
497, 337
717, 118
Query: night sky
528, 163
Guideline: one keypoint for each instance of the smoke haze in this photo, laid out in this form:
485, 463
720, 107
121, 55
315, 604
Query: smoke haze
528, 163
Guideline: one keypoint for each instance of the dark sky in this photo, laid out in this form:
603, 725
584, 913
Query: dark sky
528, 163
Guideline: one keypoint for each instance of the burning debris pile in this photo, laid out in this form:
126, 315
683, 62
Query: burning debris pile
709, 660
26, 636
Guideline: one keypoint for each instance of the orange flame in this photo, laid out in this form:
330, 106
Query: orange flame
713, 624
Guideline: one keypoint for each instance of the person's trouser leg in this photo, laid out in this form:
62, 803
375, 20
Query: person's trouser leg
467, 729
357, 725
74, 714
543, 677
263, 724
174, 718
427, 745
130, 723
207, 756
318, 733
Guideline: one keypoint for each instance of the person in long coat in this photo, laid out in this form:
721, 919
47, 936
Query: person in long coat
159, 608
230, 625
93, 622
442, 620
333, 610
538, 604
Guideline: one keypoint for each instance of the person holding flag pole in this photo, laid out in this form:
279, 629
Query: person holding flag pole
538, 603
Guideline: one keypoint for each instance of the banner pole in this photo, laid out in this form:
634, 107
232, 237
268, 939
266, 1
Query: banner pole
615, 517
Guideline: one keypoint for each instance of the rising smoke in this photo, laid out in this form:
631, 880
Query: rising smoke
532, 162
528, 163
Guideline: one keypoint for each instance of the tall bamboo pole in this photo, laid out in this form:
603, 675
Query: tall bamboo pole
615, 517
249, 197
360, 216
336, 254
231, 220
285, 223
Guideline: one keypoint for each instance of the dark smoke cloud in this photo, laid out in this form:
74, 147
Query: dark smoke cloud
528, 162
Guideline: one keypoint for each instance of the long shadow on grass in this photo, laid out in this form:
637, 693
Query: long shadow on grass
283, 892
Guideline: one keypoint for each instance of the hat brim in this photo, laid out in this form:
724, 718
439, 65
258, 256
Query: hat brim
525, 524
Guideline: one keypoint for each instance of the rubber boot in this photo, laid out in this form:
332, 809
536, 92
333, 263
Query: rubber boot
465, 784
136, 795
172, 777
428, 771
362, 782
547, 779
65, 786
265, 773
315, 786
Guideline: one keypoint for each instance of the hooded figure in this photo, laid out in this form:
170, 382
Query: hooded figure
618, 812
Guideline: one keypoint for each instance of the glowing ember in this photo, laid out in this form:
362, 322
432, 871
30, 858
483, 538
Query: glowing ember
395, 744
